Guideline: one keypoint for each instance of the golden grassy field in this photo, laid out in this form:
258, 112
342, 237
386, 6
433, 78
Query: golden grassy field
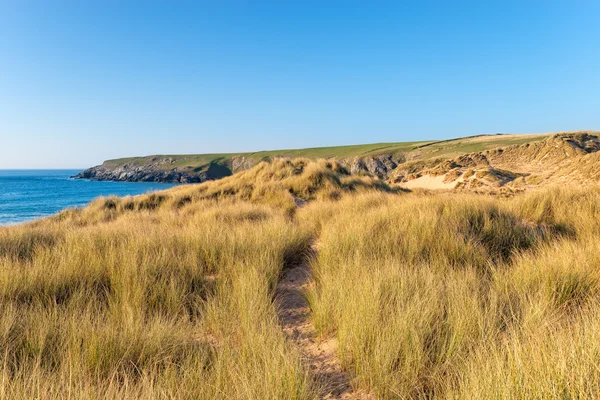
427, 295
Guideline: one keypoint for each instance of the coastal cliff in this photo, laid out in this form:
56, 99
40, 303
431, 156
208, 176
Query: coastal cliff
161, 169
155, 172
378, 159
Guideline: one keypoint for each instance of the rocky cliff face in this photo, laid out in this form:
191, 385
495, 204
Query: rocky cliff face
139, 174
380, 165
240, 163
154, 172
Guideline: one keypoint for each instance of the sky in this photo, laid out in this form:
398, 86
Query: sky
85, 81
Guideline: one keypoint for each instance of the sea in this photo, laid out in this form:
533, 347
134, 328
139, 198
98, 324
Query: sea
29, 194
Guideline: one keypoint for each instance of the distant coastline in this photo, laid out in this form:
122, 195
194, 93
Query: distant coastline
379, 159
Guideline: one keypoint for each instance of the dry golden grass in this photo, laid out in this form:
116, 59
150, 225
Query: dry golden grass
459, 296
149, 305
171, 295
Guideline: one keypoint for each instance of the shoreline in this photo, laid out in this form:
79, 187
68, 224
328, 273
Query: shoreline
38, 194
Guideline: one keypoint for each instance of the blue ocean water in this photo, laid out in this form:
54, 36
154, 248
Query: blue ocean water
30, 194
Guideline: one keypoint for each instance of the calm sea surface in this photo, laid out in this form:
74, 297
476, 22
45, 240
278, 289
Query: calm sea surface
30, 194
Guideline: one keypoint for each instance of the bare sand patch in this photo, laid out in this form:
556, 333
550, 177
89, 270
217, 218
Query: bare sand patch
429, 182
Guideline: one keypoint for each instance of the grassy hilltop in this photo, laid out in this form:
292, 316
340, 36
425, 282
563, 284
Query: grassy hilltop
426, 149
296, 279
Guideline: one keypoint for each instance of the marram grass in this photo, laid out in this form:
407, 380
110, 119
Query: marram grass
171, 295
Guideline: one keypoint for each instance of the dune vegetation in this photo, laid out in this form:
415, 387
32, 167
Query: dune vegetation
426, 294
458, 296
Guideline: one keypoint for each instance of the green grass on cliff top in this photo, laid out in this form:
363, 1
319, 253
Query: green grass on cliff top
417, 150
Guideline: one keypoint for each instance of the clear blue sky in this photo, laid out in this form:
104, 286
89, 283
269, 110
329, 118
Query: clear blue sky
80, 83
